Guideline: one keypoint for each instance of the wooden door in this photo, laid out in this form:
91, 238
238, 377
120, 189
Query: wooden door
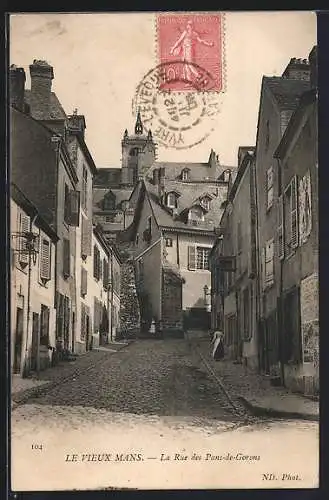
35, 342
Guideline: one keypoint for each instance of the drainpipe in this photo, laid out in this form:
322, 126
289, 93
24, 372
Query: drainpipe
28, 319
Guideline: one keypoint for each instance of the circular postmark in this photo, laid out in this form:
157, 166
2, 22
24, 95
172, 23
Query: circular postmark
176, 102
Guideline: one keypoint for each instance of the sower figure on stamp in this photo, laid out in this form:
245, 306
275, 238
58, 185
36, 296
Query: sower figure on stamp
185, 46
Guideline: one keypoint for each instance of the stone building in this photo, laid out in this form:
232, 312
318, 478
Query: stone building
176, 207
234, 266
297, 243
279, 99
52, 165
32, 286
113, 186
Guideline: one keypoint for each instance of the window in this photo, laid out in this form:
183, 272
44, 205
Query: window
195, 215
268, 259
198, 258
84, 282
205, 202
44, 325
66, 258
84, 188
45, 256
269, 188
168, 242
108, 218
280, 232
71, 206
97, 263
66, 204
105, 274
24, 227
171, 200
109, 202
185, 174
291, 216
239, 247
86, 237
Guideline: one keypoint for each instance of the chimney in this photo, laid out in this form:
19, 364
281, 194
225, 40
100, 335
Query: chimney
156, 174
42, 75
17, 87
76, 124
313, 58
161, 185
297, 69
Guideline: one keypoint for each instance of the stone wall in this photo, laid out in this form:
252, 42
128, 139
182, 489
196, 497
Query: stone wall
129, 310
172, 315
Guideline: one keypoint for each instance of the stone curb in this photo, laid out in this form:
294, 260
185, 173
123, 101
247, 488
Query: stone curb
260, 411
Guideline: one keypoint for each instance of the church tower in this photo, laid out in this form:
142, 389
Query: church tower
138, 153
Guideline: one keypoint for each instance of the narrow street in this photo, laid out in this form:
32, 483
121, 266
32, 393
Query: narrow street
150, 400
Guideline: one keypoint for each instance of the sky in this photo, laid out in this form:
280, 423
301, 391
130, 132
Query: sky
100, 59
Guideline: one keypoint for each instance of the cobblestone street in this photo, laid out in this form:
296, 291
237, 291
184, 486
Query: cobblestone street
115, 411
147, 377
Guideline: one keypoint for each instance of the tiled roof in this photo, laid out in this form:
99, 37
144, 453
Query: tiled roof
286, 91
99, 194
189, 194
56, 111
198, 171
107, 177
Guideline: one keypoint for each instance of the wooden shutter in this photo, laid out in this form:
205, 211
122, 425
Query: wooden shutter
269, 263
294, 213
74, 200
280, 231
95, 262
105, 274
24, 227
263, 258
66, 257
83, 322
86, 237
45, 255
191, 258
84, 281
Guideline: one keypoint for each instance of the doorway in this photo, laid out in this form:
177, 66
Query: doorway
18, 340
35, 342
87, 333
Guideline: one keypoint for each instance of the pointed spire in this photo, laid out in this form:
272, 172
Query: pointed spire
139, 125
149, 135
125, 135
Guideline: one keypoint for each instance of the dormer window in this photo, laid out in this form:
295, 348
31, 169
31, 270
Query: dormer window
172, 200
185, 174
205, 202
195, 214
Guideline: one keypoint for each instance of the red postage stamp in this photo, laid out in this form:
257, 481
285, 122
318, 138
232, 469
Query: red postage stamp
196, 41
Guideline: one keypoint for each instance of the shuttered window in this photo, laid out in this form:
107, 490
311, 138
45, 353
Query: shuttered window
66, 204
105, 274
294, 213
74, 201
280, 231
45, 260
269, 263
66, 257
97, 263
44, 325
84, 282
269, 188
83, 328
24, 227
86, 237
191, 258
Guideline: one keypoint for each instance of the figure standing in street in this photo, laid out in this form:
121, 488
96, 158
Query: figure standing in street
218, 345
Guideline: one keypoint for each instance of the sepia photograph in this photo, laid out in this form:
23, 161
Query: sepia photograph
164, 322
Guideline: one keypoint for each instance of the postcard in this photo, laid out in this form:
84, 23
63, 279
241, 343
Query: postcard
164, 328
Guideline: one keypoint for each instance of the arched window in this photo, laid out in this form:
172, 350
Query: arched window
109, 202
205, 202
